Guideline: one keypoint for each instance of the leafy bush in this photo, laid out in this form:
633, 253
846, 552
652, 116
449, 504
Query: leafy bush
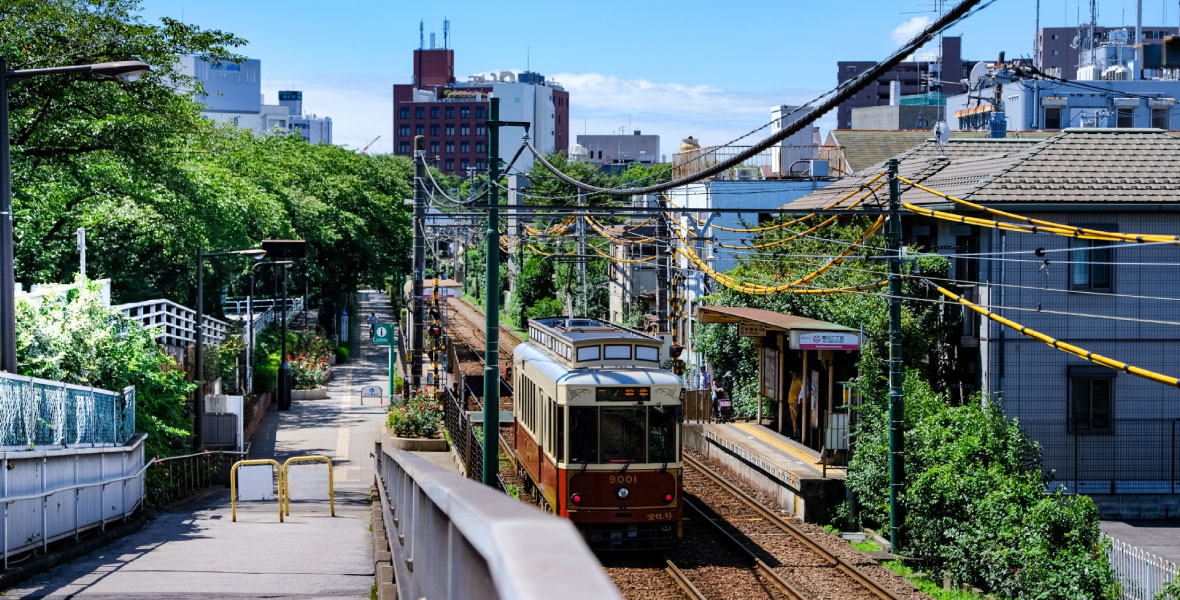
546, 307
420, 416
73, 337
976, 502
307, 374
342, 353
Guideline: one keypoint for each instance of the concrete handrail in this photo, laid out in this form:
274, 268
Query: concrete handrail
454, 538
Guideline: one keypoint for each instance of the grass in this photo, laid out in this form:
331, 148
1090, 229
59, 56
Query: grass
513, 490
373, 592
929, 586
865, 546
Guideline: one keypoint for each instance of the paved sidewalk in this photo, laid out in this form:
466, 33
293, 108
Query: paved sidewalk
195, 551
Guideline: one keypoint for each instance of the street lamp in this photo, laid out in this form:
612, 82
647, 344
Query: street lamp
250, 319
199, 331
125, 70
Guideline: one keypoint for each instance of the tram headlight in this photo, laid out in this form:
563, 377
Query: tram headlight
623, 493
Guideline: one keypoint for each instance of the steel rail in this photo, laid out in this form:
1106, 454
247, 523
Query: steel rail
864, 579
759, 567
682, 581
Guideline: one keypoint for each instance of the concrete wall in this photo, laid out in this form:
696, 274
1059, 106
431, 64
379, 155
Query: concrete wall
896, 117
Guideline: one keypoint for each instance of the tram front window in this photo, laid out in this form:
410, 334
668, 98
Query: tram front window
583, 434
662, 434
622, 434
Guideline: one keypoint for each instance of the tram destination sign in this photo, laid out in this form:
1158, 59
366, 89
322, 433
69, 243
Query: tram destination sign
825, 340
622, 394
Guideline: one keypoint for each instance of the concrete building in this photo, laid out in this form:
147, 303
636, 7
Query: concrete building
1053, 106
896, 117
452, 115
1059, 54
788, 156
1103, 432
619, 149
232, 93
914, 77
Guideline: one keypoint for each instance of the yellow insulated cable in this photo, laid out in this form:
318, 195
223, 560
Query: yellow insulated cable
597, 227
956, 218
534, 249
863, 186
1063, 346
750, 288
1070, 230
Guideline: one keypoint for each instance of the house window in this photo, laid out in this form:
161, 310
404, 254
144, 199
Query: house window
1091, 398
464, 112
419, 129
404, 113
1053, 117
450, 112
463, 164
450, 130
434, 129
1125, 118
433, 112
464, 129
434, 147
479, 114
1090, 267
450, 165
1161, 118
1056, 52
403, 148
1055, 37
464, 147
480, 130
403, 130
450, 147
480, 147
419, 112
852, 68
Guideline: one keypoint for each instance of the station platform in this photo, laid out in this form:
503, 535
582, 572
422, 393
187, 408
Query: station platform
783, 469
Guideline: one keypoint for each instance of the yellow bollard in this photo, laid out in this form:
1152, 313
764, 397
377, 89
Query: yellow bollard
233, 484
285, 496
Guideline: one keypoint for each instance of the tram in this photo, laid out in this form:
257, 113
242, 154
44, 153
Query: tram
597, 428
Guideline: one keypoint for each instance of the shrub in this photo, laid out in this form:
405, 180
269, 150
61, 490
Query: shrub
342, 353
420, 416
307, 373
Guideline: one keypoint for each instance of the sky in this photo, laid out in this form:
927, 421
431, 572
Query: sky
673, 68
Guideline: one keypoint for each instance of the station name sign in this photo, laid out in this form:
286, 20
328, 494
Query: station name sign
824, 340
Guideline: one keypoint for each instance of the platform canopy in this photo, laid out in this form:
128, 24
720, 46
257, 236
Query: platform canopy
807, 334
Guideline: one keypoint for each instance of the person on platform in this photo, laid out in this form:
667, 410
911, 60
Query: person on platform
794, 400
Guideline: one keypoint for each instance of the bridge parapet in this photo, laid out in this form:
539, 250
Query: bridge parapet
454, 538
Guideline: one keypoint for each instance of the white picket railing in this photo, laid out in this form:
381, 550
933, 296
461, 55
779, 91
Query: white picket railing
174, 323
1140, 573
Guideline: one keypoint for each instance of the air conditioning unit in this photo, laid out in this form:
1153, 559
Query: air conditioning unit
746, 174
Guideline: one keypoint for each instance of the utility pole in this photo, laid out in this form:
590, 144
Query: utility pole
663, 298
418, 338
82, 251
896, 374
491, 369
585, 262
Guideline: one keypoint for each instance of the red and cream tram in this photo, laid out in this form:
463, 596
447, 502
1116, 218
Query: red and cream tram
597, 431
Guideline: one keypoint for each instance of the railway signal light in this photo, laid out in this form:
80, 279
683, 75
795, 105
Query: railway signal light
435, 313
676, 350
435, 330
679, 367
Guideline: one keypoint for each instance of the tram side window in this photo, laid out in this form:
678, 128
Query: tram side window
661, 444
623, 433
583, 434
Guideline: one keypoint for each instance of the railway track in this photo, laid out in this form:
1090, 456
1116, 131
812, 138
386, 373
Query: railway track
682, 581
754, 525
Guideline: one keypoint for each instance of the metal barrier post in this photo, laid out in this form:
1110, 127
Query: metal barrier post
233, 484
285, 497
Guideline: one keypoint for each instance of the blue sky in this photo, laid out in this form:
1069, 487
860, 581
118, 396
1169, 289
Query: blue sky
708, 69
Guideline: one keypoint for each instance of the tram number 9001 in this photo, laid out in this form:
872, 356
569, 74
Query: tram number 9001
623, 479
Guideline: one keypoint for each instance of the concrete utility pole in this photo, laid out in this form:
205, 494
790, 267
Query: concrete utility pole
896, 371
418, 337
663, 298
82, 251
491, 369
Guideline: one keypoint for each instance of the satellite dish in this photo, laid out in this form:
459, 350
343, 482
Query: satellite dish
978, 72
942, 133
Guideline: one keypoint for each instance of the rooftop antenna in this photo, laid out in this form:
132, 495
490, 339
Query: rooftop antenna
527, 57
421, 35
446, 33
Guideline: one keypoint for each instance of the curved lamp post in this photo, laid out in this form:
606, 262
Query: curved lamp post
125, 70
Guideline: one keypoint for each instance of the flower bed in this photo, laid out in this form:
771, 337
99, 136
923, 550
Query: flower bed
418, 417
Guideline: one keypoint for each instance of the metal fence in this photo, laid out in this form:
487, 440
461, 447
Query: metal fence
174, 323
1136, 456
467, 446
691, 162
1140, 574
36, 412
177, 477
454, 538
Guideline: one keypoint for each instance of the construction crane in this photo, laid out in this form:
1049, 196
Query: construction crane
369, 145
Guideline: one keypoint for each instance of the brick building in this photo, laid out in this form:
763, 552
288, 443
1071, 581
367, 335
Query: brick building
452, 115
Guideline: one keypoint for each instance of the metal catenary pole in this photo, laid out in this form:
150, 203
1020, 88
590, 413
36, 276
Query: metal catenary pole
896, 373
491, 369
7, 275
417, 340
198, 352
585, 306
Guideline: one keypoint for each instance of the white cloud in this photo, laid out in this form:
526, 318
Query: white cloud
907, 30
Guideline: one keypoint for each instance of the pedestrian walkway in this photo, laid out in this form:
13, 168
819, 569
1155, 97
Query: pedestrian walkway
195, 551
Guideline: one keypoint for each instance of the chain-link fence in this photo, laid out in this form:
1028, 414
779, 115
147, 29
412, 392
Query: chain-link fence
36, 412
